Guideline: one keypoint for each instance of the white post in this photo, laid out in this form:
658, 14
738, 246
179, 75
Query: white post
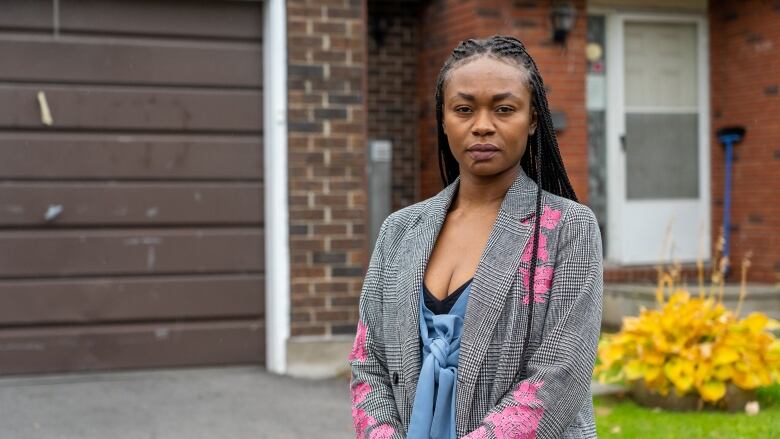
277, 248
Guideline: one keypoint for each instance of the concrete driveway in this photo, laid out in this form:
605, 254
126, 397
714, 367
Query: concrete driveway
225, 403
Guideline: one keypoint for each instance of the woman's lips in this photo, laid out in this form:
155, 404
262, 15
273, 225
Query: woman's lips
481, 151
481, 155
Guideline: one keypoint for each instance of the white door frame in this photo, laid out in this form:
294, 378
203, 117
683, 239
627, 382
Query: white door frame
615, 114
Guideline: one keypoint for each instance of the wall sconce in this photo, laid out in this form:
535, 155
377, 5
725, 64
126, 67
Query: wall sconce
562, 16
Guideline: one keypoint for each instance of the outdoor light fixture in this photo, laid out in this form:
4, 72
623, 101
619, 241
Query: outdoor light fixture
562, 15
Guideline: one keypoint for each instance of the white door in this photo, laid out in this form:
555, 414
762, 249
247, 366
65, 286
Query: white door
659, 141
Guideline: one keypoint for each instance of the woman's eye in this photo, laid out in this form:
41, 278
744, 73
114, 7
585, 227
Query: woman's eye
504, 109
463, 110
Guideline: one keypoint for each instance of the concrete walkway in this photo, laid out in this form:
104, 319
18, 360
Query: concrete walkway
214, 403
208, 403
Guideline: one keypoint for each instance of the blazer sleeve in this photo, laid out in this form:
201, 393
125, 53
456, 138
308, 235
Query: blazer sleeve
546, 403
374, 411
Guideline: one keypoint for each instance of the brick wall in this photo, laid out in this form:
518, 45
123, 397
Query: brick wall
392, 90
446, 22
745, 90
327, 135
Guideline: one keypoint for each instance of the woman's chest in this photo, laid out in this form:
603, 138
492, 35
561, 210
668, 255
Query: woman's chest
456, 253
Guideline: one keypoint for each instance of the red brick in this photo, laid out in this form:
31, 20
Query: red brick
302, 272
348, 301
329, 229
331, 287
331, 315
302, 243
740, 73
298, 330
308, 173
307, 301
346, 244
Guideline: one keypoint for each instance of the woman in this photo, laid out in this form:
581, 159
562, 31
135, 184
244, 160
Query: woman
452, 341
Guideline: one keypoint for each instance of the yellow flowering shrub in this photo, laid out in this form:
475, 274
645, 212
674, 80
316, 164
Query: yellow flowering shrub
694, 345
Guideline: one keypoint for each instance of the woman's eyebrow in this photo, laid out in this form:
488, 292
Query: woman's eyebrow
496, 97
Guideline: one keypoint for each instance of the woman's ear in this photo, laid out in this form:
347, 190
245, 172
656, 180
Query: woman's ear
532, 126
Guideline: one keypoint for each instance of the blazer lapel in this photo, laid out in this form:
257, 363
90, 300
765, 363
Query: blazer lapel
493, 279
414, 253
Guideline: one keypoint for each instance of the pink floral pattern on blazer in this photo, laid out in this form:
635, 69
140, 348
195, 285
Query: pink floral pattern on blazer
543, 275
522, 420
360, 390
359, 347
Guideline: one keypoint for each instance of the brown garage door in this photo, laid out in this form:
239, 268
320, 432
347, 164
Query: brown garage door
131, 226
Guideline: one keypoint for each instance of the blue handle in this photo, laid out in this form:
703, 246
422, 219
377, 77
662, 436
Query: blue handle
728, 142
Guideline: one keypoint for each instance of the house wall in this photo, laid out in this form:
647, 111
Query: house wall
327, 137
745, 69
345, 88
393, 43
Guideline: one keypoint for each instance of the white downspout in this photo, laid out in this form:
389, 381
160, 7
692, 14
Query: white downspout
277, 247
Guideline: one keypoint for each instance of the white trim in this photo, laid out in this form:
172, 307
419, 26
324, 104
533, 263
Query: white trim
598, 10
616, 110
660, 109
705, 178
615, 128
650, 17
640, 7
277, 246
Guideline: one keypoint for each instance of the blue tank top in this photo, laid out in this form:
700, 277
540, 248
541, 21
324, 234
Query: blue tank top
433, 412
443, 306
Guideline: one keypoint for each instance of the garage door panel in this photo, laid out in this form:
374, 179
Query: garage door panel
153, 153
118, 299
27, 15
127, 61
123, 156
224, 19
103, 252
47, 349
112, 204
106, 108
209, 19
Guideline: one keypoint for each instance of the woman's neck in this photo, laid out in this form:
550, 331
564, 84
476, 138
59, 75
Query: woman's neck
476, 193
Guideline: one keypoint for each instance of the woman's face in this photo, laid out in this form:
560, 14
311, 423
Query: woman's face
487, 115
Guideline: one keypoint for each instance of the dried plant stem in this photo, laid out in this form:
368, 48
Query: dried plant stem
661, 268
724, 263
700, 262
743, 283
700, 275
715, 271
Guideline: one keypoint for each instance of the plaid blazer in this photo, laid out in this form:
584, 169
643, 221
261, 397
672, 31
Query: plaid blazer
555, 400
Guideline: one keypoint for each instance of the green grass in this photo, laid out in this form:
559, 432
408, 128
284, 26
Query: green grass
621, 418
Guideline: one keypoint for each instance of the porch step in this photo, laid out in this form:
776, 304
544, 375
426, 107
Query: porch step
625, 299
637, 274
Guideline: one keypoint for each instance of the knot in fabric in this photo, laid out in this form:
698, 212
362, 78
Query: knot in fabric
440, 346
440, 349
433, 412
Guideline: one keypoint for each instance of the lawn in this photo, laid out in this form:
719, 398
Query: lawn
621, 418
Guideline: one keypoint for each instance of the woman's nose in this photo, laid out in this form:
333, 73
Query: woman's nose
483, 124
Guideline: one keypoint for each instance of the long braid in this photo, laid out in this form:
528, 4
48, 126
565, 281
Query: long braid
532, 274
542, 159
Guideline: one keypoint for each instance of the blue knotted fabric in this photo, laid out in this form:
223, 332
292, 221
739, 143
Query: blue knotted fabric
433, 413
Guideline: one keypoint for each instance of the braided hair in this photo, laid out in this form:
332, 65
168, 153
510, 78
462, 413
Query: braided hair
541, 161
